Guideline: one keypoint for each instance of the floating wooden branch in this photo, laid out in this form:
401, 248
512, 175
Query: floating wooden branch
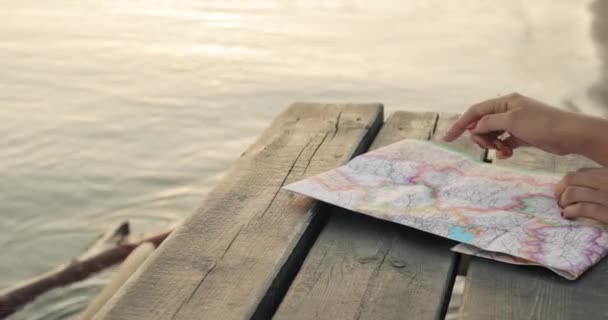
78, 269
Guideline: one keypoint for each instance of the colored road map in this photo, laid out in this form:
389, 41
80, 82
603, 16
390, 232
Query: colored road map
494, 212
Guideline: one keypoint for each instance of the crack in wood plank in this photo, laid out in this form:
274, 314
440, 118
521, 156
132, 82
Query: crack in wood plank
231, 242
375, 274
319, 265
314, 152
321, 261
285, 178
195, 290
337, 124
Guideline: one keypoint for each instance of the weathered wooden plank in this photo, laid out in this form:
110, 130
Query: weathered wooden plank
235, 257
364, 268
497, 290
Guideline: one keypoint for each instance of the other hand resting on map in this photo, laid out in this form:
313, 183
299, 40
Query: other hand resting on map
584, 193
531, 123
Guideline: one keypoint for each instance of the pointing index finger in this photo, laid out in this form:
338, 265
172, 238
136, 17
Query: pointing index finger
473, 114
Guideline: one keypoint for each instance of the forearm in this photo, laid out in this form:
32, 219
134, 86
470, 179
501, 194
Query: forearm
593, 140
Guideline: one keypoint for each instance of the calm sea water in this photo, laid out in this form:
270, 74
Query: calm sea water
131, 110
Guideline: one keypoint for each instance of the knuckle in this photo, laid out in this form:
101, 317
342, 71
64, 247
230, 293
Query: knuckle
512, 118
569, 195
569, 177
512, 102
483, 122
557, 190
503, 105
514, 95
476, 106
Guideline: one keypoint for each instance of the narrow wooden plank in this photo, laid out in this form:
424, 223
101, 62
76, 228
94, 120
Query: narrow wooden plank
364, 268
497, 290
235, 257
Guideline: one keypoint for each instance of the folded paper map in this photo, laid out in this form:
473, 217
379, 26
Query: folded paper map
494, 212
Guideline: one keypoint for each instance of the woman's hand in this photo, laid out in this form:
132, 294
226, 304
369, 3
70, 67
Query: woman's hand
584, 193
532, 123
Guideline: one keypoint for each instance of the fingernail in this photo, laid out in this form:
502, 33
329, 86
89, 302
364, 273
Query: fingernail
472, 126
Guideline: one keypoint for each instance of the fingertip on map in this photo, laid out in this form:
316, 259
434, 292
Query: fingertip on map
448, 137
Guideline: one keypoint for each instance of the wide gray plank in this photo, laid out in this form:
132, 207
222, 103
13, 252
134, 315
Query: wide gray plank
235, 256
497, 290
364, 268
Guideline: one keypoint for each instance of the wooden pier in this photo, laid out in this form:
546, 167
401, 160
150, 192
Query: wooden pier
255, 251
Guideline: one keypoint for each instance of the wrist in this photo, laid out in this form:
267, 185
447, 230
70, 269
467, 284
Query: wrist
592, 139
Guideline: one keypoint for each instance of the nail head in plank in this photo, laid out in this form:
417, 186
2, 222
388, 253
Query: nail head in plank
233, 258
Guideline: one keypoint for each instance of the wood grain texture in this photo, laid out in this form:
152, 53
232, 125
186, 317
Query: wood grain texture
496, 290
364, 268
235, 256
